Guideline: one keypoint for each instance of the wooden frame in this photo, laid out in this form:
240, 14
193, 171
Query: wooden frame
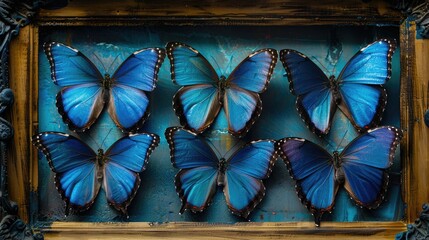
22, 164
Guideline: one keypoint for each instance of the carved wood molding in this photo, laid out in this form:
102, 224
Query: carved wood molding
418, 11
14, 14
419, 229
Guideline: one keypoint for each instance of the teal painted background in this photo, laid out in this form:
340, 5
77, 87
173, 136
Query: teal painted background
224, 47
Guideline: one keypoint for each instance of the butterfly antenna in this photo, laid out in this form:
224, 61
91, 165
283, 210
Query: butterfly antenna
342, 139
102, 143
232, 148
102, 64
111, 64
323, 66
217, 65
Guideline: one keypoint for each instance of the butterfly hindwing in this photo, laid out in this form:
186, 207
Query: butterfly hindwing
80, 105
73, 163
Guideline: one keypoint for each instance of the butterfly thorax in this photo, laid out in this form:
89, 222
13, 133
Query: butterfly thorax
101, 160
333, 84
107, 81
339, 173
221, 166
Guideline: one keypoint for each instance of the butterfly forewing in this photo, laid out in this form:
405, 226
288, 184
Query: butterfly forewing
69, 66
188, 66
371, 65
140, 69
255, 71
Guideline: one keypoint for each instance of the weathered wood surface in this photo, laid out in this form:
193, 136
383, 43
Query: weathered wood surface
23, 72
187, 230
418, 192
273, 12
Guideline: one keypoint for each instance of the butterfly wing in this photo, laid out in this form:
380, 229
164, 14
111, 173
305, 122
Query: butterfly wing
197, 103
196, 181
241, 100
125, 159
128, 104
243, 178
312, 168
81, 100
73, 163
315, 101
364, 99
364, 164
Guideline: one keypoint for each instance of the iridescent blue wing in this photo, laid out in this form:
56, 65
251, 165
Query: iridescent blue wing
80, 105
188, 66
364, 164
128, 105
360, 81
315, 101
312, 168
69, 66
73, 163
241, 100
197, 106
81, 100
196, 181
243, 177
125, 159
255, 71
197, 103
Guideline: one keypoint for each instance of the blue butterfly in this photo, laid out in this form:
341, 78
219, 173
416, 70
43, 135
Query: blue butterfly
361, 167
85, 91
201, 172
80, 172
358, 91
203, 93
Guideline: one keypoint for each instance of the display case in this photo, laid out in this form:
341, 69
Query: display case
330, 34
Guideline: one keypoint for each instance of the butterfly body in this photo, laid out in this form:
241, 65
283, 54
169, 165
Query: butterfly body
204, 94
202, 171
80, 172
361, 167
357, 91
86, 92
